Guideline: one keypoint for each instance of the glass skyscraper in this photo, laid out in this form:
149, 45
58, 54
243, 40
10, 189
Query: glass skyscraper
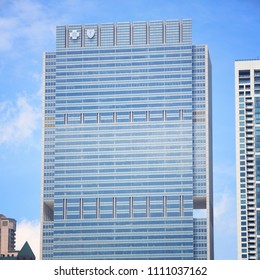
247, 90
127, 164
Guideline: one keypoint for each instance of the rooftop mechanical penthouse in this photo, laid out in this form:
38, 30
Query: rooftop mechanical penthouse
127, 161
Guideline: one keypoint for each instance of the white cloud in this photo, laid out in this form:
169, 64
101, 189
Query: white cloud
29, 231
28, 27
222, 206
6, 24
225, 224
225, 221
29, 21
30, 24
19, 119
225, 199
224, 192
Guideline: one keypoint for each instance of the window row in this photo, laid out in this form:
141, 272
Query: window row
124, 207
127, 50
126, 78
186, 62
121, 117
93, 85
125, 71
130, 56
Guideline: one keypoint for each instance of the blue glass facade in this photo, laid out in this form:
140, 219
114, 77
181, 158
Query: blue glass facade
127, 144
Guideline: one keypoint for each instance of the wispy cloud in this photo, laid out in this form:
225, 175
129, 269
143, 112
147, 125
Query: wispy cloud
221, 207
6, 24
19, 119
225, 198
29, 25
225, 212
225, 225
29, 231
26, 24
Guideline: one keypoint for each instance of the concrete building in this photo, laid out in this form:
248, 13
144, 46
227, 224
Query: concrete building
7, 236
7, 242
127, 149
247, 96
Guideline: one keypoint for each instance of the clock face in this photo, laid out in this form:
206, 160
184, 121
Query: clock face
90, 33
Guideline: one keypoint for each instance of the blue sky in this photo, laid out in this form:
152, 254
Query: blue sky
27, 29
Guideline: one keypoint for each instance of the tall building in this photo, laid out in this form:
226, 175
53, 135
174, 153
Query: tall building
7, 235
247, 95
127, 161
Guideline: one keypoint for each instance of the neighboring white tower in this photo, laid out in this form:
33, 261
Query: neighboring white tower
247, 95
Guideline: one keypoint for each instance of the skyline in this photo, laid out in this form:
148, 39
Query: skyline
24, 22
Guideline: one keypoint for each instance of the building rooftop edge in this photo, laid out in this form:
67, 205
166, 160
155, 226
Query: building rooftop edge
121, 22
248, 59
